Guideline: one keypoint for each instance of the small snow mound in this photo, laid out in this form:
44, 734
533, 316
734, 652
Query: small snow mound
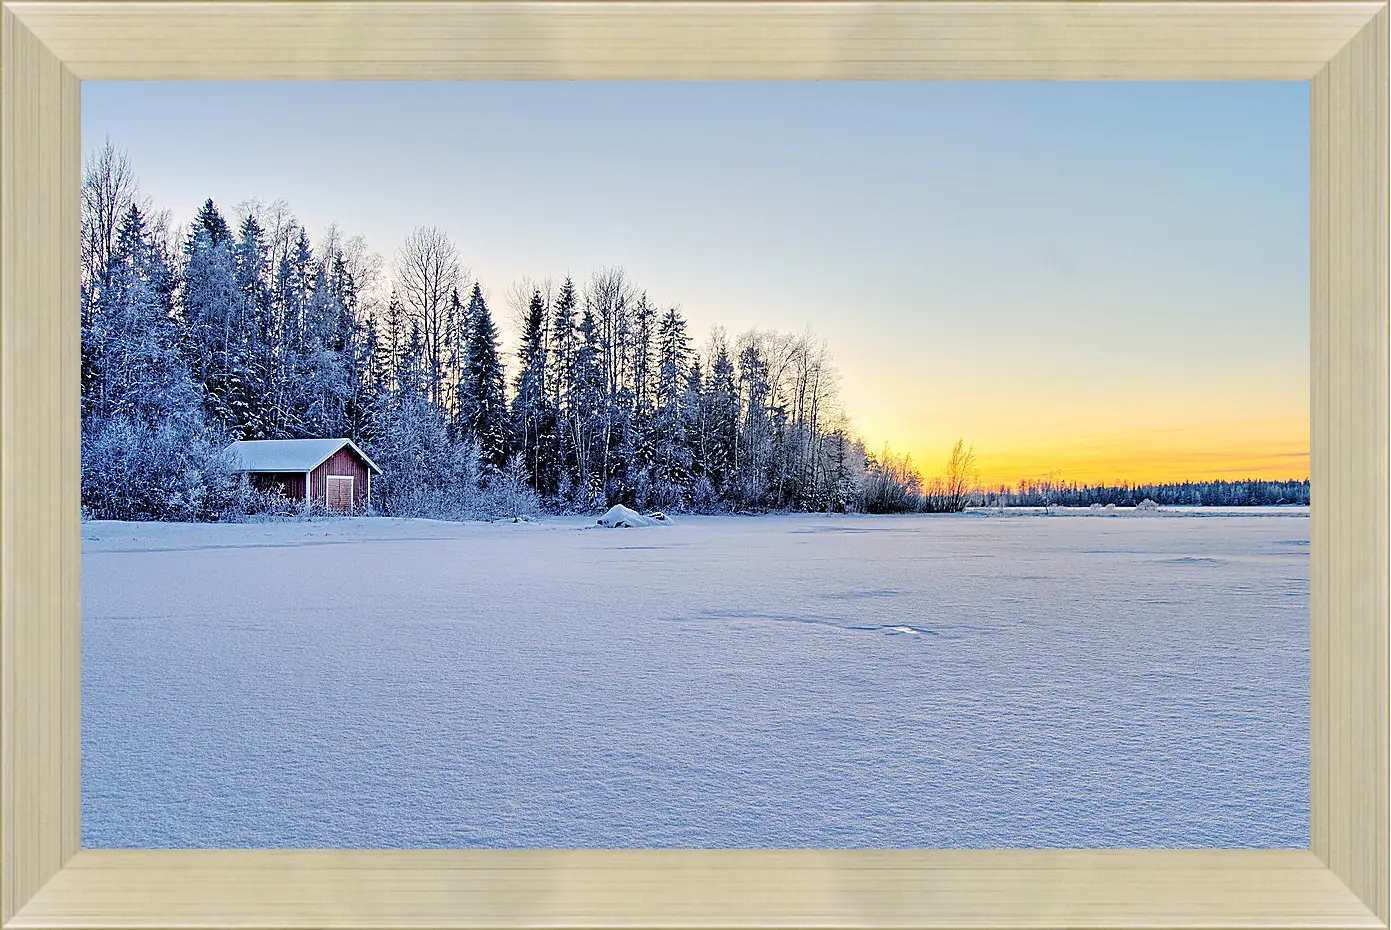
618, 515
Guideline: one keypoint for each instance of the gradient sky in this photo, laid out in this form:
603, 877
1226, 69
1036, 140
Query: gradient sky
1098, 281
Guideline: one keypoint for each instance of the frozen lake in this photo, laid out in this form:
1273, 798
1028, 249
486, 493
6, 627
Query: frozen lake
800, 681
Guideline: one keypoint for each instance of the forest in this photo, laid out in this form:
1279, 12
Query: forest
241, 327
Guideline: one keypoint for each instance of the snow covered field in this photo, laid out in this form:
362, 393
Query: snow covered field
972, 680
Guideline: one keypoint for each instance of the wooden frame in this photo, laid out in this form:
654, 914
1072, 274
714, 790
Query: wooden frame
1341, 48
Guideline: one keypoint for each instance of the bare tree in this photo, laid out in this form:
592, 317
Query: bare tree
365, 266
959, 477
610, 297
428, 271
109, 190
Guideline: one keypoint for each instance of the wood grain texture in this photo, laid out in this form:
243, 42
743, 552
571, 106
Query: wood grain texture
47, 46
1350, 329
330, 889
564, 40
39, 346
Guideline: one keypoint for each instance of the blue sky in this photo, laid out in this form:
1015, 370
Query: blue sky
1100, 280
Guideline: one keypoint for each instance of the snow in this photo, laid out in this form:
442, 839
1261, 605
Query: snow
619, 516
969, 680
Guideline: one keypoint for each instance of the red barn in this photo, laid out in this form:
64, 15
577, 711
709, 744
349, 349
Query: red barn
337, 474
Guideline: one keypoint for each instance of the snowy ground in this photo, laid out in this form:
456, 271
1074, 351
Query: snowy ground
920, 681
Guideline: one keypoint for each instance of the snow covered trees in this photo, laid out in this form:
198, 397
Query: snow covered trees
533, 413
250, 329
428, 272
481, 393
147, 452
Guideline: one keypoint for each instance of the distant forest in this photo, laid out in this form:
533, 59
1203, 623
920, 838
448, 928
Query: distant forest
242, 328
1041, 493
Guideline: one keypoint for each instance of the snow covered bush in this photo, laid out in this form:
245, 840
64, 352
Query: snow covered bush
703, 497
249, 501
506, 494
890, 485
168, 471
1146, 506
424, 473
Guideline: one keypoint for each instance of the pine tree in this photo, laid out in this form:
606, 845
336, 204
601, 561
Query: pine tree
533, 417
325, 385
482, 413
642, 439
255, 340
362, 426
753, 449
291, 295
585, 419
144, 375
671, 453
457, 326
211, 309
562, 344
210, 219
722, 413
701, 493
395, 334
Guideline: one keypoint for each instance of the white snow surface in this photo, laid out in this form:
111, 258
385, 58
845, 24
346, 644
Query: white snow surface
618, 516
968, 680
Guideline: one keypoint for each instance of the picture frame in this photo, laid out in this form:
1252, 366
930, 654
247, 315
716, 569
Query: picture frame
49, 48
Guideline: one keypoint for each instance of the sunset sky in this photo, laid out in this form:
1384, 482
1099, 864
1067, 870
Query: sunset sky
1093, 281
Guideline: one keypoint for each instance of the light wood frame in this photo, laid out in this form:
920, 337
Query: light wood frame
1341, 48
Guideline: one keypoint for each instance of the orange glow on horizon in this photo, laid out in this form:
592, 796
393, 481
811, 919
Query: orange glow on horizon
1276, 451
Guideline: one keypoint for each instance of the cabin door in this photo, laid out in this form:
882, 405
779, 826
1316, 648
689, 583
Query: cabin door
340, 493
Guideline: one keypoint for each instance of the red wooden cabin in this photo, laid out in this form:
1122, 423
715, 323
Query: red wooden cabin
337, 474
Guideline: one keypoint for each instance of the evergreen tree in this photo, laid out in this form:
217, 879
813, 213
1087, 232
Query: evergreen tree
211, 221
392, 345
211, 310
562, 344
671, 469
754, 442
482, 413
722, 420
532, 415
255, 340
290, 296
585, 419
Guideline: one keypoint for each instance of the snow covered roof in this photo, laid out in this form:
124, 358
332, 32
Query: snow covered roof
280, 455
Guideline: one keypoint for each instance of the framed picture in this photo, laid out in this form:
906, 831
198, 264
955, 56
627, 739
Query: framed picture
65, 396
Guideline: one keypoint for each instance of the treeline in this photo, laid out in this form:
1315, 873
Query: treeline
245, 329
1045, 492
